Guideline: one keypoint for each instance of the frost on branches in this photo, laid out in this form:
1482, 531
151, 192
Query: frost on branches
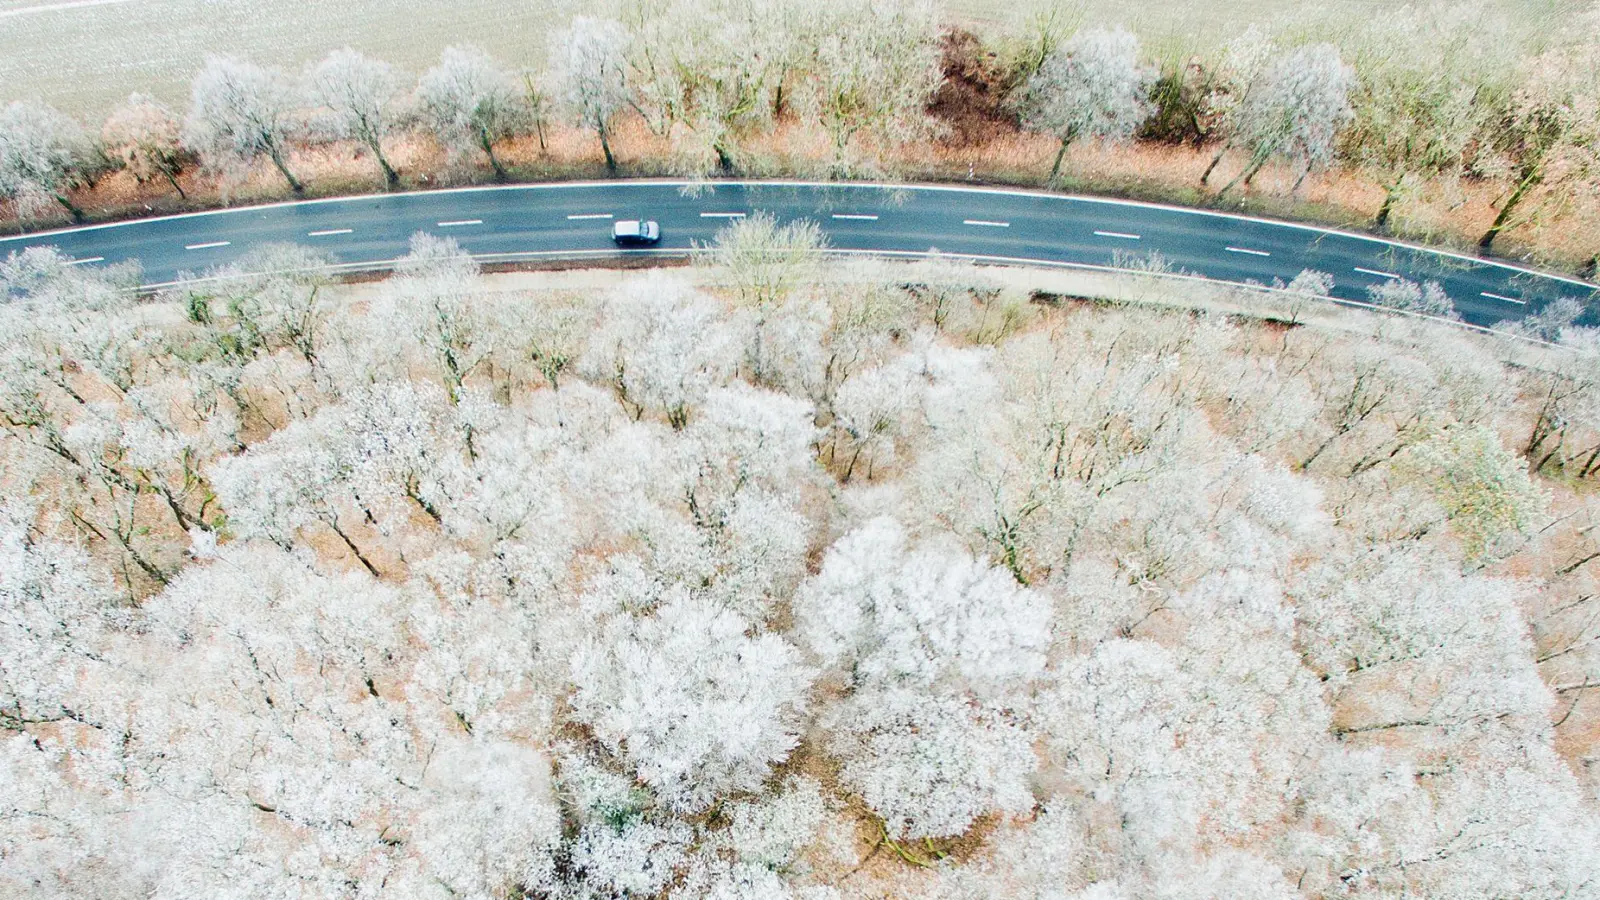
777, 577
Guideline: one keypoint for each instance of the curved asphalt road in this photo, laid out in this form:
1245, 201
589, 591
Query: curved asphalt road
528, 221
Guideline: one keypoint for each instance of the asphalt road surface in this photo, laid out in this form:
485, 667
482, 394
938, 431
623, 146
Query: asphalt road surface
566, 220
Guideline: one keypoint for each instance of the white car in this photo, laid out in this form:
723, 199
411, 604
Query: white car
635, 232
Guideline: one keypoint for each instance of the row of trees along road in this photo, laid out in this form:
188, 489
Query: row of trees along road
1426, 93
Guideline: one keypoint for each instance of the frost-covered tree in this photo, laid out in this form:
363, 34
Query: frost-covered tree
730, 79
1427, 298
239, 111
385, 453
744, 457
872, 73
272, 299
589, 75
1482, 488
489, 823
470, 102
1236, 71
618, 850
1033, 482
697, 708
210, 738
925, 618
1090, 87
146, 138
1416, 104
1294, 110
430, 308
1407, 643
937, 647
55, 611
662, 346
42, 155
930, 764
768, 261
363, 96
1547, 129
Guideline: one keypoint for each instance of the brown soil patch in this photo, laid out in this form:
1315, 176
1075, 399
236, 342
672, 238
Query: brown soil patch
971, 101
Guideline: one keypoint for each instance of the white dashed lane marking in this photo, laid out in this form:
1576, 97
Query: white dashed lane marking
1248, 250
1506, 299
857, 216
1117, 234
726, 215
985, 223
459, 222
87, 259
590, 216
206, 246
327, 232
1376, 272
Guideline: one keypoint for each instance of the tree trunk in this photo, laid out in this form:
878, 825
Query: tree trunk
605, 147
1249, 172
1061, 154
172, 179
1500, 220
77, 214
488, 150
1390, 195
1588, 466
283, 169
1304, 174
1206, 175
354, 549
391, 178
182, 517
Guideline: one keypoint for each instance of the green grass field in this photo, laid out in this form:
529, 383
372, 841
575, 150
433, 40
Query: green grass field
86, 55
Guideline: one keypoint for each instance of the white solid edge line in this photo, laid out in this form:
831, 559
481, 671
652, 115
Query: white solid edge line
590, 216
985, 223
1247, 250
860, 216
206, 246
1506, 299
327, 232
458, 222
87, 259
1376, 272
977, 257
722, 215
832, 185
1119, 234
